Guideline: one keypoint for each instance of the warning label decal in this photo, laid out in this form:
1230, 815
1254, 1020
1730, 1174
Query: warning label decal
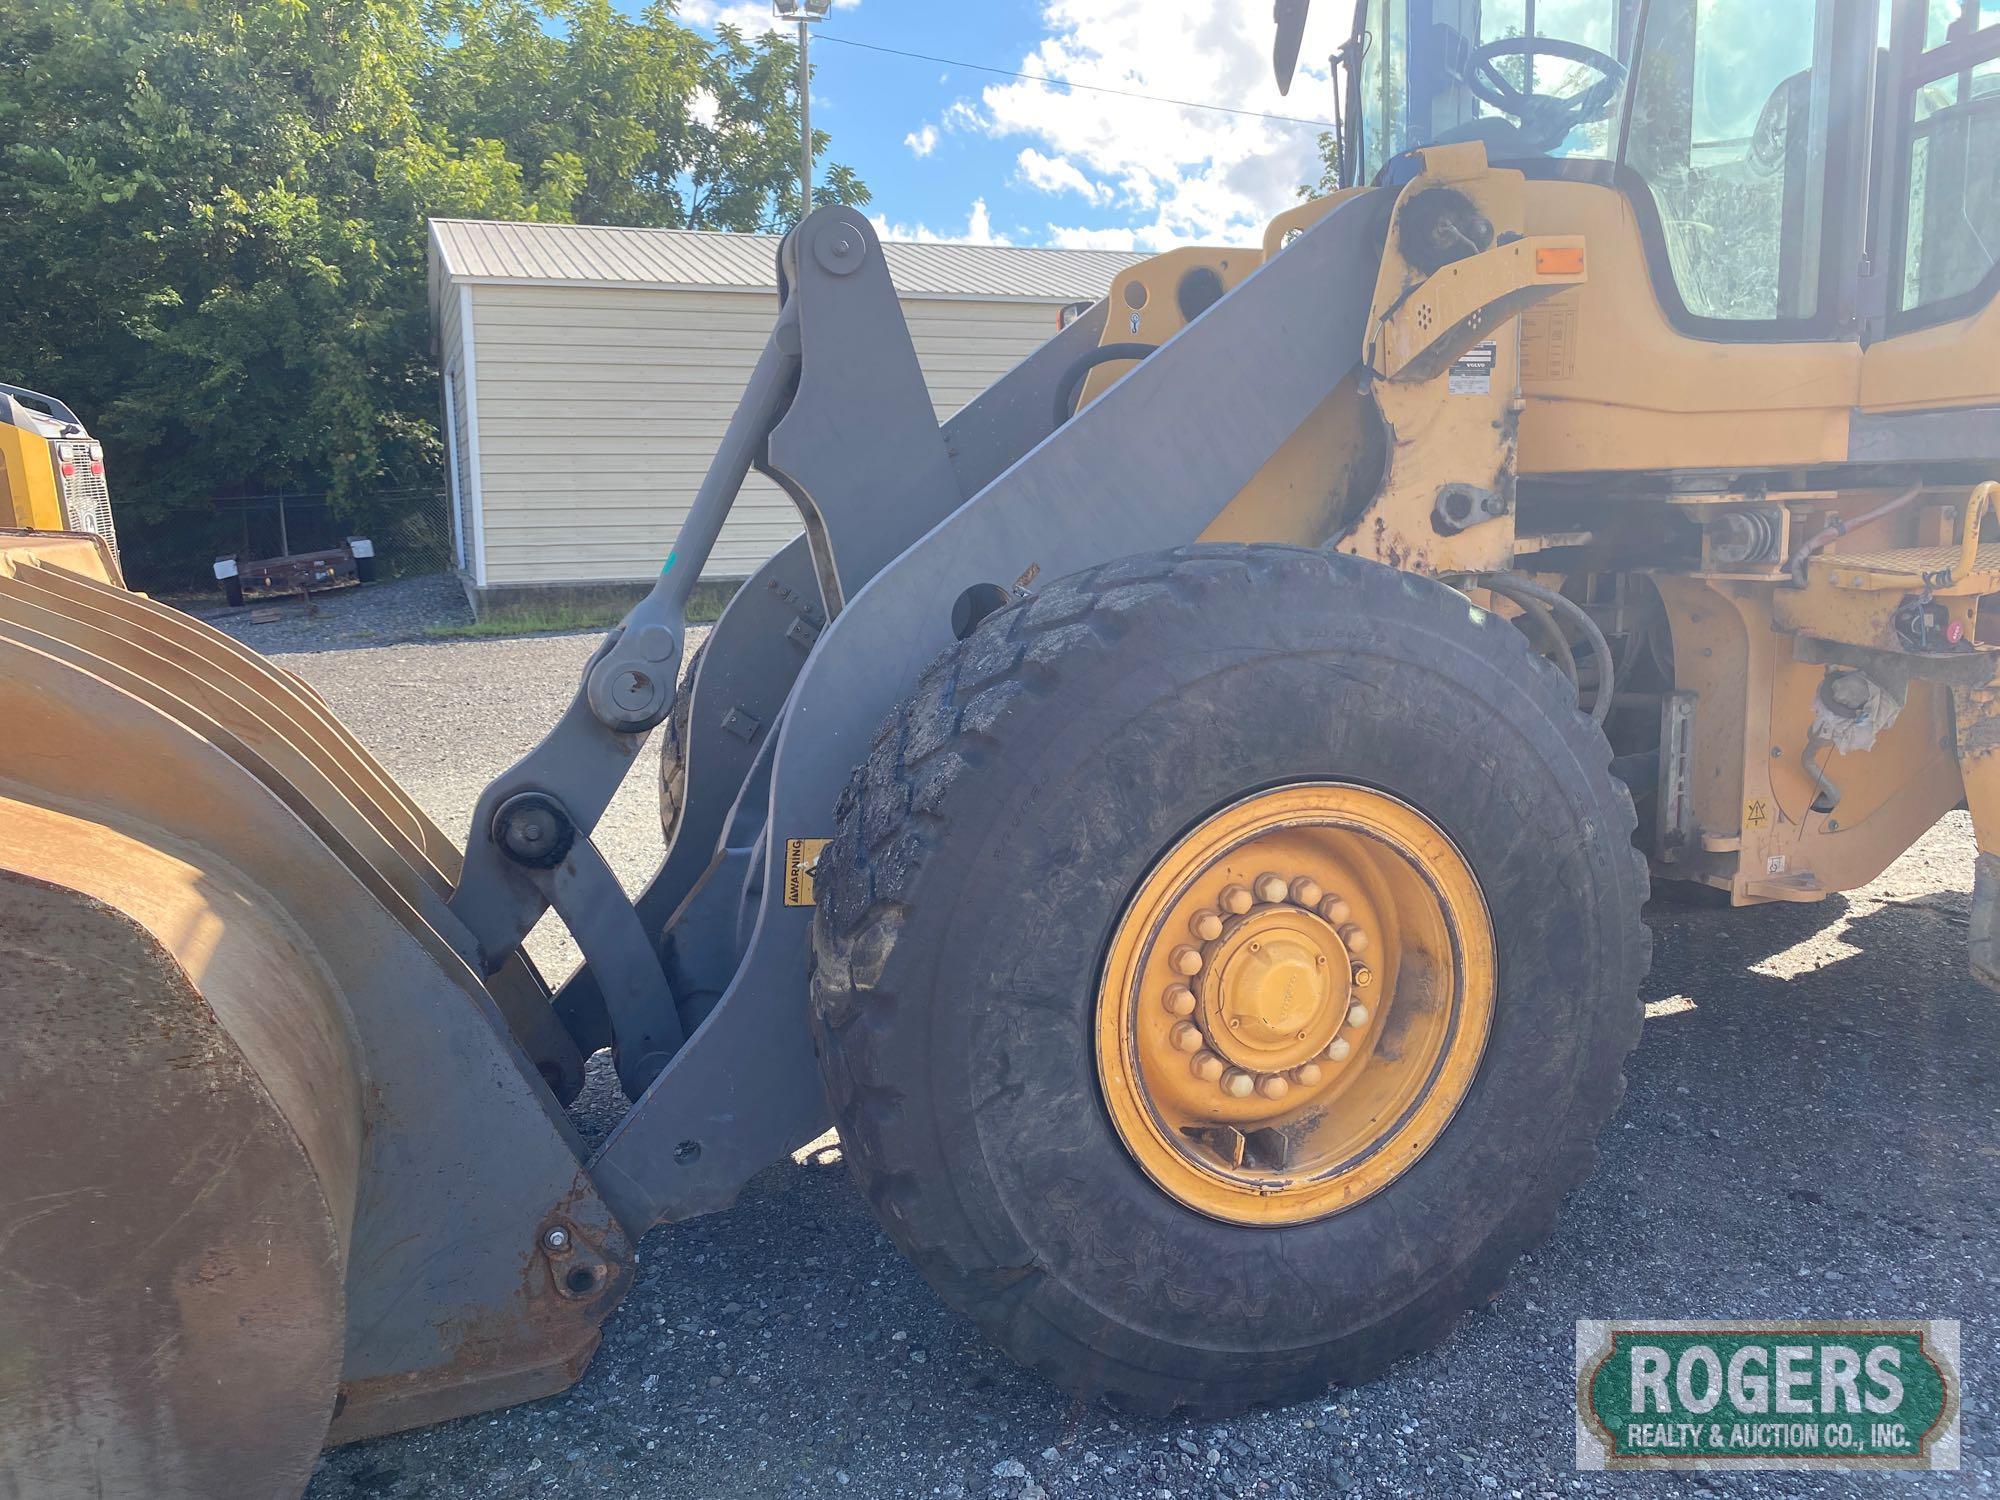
800, 857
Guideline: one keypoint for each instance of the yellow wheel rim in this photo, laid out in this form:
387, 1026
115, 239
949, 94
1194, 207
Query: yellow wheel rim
1295, 1003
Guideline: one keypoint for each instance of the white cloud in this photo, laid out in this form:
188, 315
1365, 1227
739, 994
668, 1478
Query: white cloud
1057, 174
979, 229
922, 142
751, 17
1185, 175
959, 115
1072, 237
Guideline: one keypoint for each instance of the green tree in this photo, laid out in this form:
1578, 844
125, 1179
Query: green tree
212, 217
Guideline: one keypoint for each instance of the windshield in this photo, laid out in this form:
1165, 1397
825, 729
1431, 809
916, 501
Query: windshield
1523, 77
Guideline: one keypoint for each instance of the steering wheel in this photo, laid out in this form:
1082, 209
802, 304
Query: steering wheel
1546, 119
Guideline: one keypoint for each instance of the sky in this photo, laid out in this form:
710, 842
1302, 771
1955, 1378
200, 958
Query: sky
955, 154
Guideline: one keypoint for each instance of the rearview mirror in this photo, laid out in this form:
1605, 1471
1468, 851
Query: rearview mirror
1291, 36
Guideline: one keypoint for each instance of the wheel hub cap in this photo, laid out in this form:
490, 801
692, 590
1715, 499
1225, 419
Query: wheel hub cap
1280, 989
1295, 1003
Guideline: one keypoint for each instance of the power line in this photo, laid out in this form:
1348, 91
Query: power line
1089, 88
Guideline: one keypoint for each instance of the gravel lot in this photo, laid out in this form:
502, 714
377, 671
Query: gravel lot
1810, 1132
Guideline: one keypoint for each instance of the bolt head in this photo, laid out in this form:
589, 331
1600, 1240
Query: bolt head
1206, 925
1186, 960
633, 690
1307, 892
1187, 1037
1271, 888
1308, 1074
1237, 1084
1339, 1048
1274, 1087
556, 1240
1206, 1066
1179, 1000
532, 830
1356, 940
1335, 910
1357, 1015
1236, 900
1363, 976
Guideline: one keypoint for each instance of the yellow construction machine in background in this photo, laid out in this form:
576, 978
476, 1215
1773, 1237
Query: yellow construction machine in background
51, 468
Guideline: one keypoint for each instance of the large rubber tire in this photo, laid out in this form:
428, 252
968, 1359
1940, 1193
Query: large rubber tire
986, 850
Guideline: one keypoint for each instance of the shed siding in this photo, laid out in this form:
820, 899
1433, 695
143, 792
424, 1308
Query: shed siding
599, 410
451, 355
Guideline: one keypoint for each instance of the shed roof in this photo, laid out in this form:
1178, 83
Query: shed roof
470, 250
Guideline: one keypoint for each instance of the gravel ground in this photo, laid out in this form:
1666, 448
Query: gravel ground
1810, 1132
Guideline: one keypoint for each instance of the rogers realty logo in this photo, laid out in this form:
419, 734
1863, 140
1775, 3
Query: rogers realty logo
1785, 1395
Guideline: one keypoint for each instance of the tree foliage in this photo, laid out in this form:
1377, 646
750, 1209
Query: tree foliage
212, 214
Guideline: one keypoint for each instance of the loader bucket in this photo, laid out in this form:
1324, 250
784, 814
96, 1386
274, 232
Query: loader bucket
273, 1159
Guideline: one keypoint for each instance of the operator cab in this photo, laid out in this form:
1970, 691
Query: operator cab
1737, 129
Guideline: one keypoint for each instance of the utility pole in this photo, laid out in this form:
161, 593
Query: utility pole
805, 116
805, 12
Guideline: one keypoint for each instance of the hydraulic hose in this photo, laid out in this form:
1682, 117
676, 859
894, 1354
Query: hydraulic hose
1072, 382
1837, 528
1525, 591
1553, 640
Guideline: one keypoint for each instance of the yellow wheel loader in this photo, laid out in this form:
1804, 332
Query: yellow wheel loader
1185, 820
51, 469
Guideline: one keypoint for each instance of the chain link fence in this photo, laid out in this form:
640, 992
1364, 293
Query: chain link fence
177, 549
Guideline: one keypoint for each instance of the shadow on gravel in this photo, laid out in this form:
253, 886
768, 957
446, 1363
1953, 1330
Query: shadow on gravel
1809, 1132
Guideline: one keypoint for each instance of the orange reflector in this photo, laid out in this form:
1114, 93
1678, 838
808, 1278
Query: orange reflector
1559, 260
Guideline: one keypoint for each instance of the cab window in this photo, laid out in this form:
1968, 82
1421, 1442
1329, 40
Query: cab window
1729, 130
1948, 199
1525, 78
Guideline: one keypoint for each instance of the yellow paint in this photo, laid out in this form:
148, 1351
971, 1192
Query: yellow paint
1446, 424
1953, 364
29, 499
1347, 987
1628, 391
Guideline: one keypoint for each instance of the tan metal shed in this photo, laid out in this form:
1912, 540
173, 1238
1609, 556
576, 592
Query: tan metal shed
588, 373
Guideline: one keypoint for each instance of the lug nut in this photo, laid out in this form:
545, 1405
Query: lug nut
1237, 1084
1308, 1074
1206, 1066
1335, 910
1187, 1037
1338, 1049
1186, 960
1355, 938
1179, 1000
1271, 888
1206, 925
1236, 899
1306, 891
1275, 1086
1357, 1015
1363, 976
